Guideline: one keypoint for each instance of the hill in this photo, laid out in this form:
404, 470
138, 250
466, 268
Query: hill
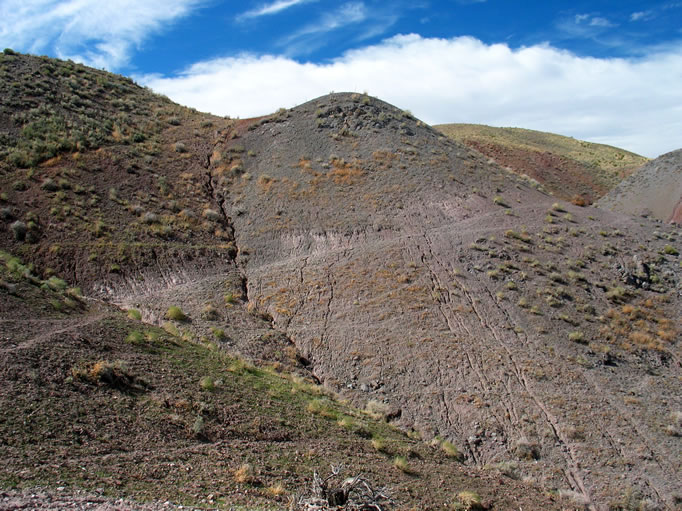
565, 167
348, 243
655, 189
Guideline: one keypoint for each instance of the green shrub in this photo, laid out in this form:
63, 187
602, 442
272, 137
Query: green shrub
175, 313
670, 250
219, 333
134, 314
19, 229
451, 450
56, 284
577, 336
207, 383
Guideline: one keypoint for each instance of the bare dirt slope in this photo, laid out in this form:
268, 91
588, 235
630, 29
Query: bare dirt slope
411, 271
654, 190
343, 240
97, 406
569, 169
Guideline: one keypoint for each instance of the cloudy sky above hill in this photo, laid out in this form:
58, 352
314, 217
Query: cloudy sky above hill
602, 71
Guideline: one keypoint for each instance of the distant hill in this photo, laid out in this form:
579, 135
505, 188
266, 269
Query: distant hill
183, 294
655, 190
566, 167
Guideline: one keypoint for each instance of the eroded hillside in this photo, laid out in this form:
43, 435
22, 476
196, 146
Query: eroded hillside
410, 270
654, 190
347, 241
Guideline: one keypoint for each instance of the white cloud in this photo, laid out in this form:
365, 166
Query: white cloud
99, 33
634, 104
272, 8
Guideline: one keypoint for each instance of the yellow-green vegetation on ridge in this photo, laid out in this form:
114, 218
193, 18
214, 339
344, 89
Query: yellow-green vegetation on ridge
597, 167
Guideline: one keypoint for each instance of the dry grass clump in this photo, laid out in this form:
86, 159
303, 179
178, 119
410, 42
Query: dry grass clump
675, 426
114, 374
244, 474
212, 215
265, 182
451, 450
527, 450
210, 313
468, 501
377, 409
379, 444
577, 336
639, 325
276, 490
401, 463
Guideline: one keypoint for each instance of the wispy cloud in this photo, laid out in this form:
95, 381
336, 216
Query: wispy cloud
641, 16
316, 34
592, 21
353, 21
635, 104
347, 14
584, 26
272, 8
99, 33
598, 21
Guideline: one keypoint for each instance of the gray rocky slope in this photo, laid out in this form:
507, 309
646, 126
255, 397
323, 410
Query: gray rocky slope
654, 190
417, 277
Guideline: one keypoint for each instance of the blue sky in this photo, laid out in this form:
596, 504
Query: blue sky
602, 71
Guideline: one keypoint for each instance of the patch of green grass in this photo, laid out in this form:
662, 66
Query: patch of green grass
134, 314
323, 408
175, 313
670, 250
219, 333
451, 450
207, 383
135, 337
